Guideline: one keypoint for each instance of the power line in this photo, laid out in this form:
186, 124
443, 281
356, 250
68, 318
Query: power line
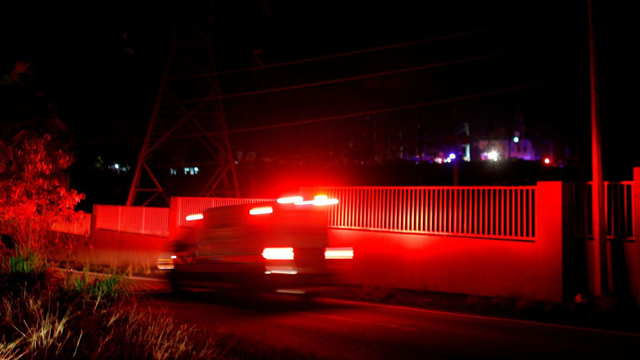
364, 113
363, 51
348, 53
368, 76
346, 116
398, 108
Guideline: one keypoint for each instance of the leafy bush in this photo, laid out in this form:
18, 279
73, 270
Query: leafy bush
35, 155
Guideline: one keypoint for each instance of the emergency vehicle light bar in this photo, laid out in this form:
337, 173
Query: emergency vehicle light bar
193, 217
318, 200
289, 200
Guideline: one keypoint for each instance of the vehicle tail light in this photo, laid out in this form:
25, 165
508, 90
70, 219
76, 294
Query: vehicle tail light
338, 253
285, 253
261, 210
193, 217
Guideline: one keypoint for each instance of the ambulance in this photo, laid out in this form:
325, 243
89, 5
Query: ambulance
279, 246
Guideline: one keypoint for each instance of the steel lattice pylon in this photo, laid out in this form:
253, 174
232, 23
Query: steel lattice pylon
187, 132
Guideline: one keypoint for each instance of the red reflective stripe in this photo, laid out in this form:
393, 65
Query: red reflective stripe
261, 210
338, 253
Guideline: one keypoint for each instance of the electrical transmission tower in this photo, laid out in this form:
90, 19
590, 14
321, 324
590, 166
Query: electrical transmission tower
186, 151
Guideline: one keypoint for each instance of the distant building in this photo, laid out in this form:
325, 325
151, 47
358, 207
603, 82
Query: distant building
506, 149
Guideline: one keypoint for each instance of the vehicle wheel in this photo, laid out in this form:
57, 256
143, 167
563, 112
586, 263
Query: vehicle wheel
176, 287
308, 299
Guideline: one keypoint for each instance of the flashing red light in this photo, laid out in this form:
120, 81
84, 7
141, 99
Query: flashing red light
318, 200
547, 160
338, 253
193, 217
278, 253
325, 202
261, 210
290, 200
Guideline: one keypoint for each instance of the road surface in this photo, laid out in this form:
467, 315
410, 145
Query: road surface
337, 329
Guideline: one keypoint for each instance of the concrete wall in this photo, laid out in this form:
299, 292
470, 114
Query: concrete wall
623, 256
553, 267
118, 249
469, 265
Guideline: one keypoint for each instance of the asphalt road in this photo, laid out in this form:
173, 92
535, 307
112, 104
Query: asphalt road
337, 329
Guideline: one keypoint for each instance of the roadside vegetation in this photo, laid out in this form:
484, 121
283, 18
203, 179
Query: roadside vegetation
48, 314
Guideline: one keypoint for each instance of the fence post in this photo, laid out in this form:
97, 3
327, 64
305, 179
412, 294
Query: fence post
174, 213
635, 286
94, 217
552, 234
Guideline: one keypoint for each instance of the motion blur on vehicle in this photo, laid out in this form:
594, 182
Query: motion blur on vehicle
281, 246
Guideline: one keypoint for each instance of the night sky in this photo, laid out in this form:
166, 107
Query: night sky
101, 63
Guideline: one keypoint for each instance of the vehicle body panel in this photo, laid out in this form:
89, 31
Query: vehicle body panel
225, 249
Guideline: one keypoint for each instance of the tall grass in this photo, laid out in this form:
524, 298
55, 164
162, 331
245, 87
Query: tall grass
37, 329
26, 264
85, 317
41, 326
102, 286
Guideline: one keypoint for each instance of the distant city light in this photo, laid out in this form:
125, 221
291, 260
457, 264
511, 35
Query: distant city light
439, 160
118, 168
516, 139
452, 156
547, 160
493, 155
191, 170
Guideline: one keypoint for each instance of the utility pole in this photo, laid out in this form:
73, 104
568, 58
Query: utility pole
601, 270
187, 131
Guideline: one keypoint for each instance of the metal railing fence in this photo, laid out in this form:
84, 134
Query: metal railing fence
491, 212
81, 227
133, 219
618, 198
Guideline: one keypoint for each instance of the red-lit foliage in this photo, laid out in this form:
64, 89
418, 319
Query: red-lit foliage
34, 158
